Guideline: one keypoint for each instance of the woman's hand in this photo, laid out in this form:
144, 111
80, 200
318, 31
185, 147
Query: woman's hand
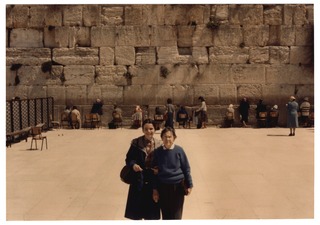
188, 191
155, 195
136, 168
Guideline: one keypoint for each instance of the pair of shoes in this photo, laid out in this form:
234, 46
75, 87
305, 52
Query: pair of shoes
290, 134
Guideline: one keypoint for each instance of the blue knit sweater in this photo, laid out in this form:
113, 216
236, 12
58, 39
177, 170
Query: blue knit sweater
173, 166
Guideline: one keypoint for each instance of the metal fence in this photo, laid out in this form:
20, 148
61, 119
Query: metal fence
29, 112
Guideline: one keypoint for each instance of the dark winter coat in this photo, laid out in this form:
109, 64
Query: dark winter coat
140, 204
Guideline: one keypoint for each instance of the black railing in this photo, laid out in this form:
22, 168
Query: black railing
29, 112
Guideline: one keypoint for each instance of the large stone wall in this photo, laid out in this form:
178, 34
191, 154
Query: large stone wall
144, 54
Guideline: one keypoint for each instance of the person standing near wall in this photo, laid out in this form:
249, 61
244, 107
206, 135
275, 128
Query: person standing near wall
203, 117
173, 180
305, 111
140, 204
169, 113
292, 115
244, 111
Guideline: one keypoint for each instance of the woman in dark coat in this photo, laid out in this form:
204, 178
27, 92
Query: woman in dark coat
244, 111
140, 204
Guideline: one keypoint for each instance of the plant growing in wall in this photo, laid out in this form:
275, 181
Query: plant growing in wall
164, 72
213, 23
128, 77
16, 67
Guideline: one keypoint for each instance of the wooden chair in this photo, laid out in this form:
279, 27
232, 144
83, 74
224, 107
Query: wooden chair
229, 119
36, 133
87, 123
158, 120
55, 123
183, 120
117, 119
65, 119
262, 119
273, 118
95, 119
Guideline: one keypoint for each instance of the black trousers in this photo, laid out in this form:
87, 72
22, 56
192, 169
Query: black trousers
171, 199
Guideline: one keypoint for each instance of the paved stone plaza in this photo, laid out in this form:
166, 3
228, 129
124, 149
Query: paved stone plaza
238, 173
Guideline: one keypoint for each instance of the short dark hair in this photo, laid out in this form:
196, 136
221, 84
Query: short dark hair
169, 100
167, 129
146, 121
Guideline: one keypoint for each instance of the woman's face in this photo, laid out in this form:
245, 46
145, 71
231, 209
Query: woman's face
148, 130
168, 139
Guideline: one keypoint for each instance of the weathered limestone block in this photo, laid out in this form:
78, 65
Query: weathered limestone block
10, 76
221, 12
225, 54
53, 15
304, 90
253, 92
133, 15
76, 56
256, 35
72, 15
112, 15
9, 16
32, 75
124, 55
79, 75
20, 91
246, 14
259, 54
58, 93
37, 92
202, 36
301, 55
272, 14
27, 56
163, 36
37, 16
76, 95
26, 38
91, 15
279, 55
304, 35
56, 37
310, 14
294, 14
200, 55
111, 75
227, 94
55, 75
183, 94
145, 74
94, 92
274, 35
167, 55
277, 93
287, 35
20, 16
227, 35
112, 94
106, 56
153, 14
185, 34
133, 36
196, 14
247, 74
103, 36
146, 56
289, 74
179, 74
210, 91
213, 74
175, 14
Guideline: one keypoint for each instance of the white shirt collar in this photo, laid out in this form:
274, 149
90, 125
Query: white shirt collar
164, 148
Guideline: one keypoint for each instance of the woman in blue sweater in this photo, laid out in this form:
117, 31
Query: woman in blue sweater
173, 180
